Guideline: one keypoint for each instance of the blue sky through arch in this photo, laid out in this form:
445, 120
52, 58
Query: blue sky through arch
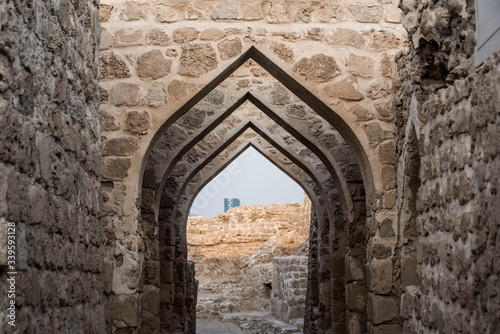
251, 178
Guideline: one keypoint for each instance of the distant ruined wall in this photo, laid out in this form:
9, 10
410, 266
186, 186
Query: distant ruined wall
233, 254
50, 165
449, 163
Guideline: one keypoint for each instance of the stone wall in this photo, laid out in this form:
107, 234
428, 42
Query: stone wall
448, 112
156, 55
233, 253
50, 166
289, 287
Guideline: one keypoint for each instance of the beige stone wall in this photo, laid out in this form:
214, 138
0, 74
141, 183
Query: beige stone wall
233, 254
156, 55
50, 167
449, 167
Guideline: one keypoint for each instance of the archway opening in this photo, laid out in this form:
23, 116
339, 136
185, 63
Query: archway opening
251, 261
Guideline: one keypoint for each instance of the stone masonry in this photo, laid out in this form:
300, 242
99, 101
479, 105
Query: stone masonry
115, 113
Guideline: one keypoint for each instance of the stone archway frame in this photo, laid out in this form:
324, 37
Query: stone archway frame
178, 212
327, 159
234, 150
296, 88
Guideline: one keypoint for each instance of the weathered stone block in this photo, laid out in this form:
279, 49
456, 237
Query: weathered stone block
360, 66
137, 122
280, 96
382, 309
152, 65
380, 276
165, 14
367, 14
156, 95
113, 66
356, 297
225, 11
346, 36
150, 301
318, 68
185, 35
212, 34
197, 59
384, 40
129, 37
120, 146
344, 89
124, 310
157, 36
124, 93
229, 48
116, 168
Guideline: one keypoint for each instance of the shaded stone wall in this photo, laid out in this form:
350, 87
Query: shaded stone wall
288, 296
50, 165
449, 114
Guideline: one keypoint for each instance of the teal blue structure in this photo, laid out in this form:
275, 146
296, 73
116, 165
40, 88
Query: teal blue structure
230, 203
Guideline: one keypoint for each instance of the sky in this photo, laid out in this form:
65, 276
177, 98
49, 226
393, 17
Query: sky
253, 180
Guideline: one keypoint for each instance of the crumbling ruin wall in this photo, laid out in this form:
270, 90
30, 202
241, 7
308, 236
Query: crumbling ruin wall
233, 254
448, 113
50, 166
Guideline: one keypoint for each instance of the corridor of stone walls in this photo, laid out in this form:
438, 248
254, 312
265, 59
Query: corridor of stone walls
114, 114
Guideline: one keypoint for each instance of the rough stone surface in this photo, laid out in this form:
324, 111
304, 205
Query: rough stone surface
50, 166
318, 68
185, 35
229, 48
197, 59
345, 90
153, 65
156, 95
367, 14
225, 11
137, 122
125, 94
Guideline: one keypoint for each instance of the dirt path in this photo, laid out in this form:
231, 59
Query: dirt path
215, 326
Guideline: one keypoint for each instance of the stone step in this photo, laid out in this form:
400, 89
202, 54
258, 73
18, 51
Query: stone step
259, 322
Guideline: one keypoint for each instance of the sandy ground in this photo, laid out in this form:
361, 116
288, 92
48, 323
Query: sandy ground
215, 326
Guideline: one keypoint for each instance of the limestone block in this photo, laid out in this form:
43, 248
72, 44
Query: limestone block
113, 66
156, 95
389, 176
128, 37
386, 110
348, 37
387, 152
276, 12
124, 310
165, 14
150, 301
386, 230
367, 14
215, 97
120, 146
179, 90
382, 308
116, 168
280, 96
343, 89
225, 11
331, 12
355, 297
354, 270
134, 11
380, 277
105, 12
296, 111
378, 90
283, 52
106, 40
386, 66
137, 122
374, 133
361, 113
360, 66
384, 40
107, 121
152, 65
197, 59
319, 68
381, 252
157, 36
251, 13
229, 48
124, 93
185, 35
212, 34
